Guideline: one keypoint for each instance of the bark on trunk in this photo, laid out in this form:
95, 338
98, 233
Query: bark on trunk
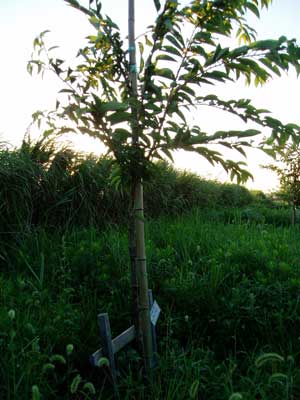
144, 326
137, 235
133, 269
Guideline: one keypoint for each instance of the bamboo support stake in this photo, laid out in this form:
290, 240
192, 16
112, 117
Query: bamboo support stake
142, 279
143, 317
132, 253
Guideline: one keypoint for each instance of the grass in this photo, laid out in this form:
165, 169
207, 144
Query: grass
229, 292
59, 187
226, 278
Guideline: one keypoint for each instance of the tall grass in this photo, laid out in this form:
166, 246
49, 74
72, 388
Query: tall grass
226, 278
45, 186
228, 293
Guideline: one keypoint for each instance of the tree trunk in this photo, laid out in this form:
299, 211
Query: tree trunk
132, 253
144, 327
139, 278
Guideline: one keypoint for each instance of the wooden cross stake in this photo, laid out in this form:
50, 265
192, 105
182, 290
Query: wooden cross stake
111, 346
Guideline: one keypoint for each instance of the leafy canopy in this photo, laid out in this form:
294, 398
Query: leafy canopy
287, 168
179, 56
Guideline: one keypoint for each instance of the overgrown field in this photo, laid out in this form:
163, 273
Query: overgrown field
223, 265
228, 286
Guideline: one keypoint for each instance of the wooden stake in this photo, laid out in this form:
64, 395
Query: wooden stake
113, 346
105, 334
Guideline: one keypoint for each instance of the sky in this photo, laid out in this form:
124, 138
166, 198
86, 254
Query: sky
21, 94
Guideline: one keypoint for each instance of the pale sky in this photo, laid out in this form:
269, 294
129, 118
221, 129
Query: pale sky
21, 95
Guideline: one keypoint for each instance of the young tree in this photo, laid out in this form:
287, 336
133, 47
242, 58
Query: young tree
140, 113
287, 168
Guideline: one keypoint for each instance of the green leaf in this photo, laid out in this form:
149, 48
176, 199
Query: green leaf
217, 75
111, 24
188, 90
180, 114
271, 66
269, 44
254, 68
174, 41
249, 132
72, 2
142, 64
234, 134
168, 22
211, 97
144, 138
173, 126
193, 392
112, 106
172, 50
119, 117
141, 47
293, 126
242, 50
42, 34
240, 150
165, 73
204, 37
66, 91
167, 153
199, 50
121, 134
217, 55
178, 36
29, 68
152, 106
182, 96
53, 48
157, 5
148, 42
252, 7
165, 57
269, 152
95, 22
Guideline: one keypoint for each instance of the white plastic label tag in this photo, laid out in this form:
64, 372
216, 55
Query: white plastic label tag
154, 313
